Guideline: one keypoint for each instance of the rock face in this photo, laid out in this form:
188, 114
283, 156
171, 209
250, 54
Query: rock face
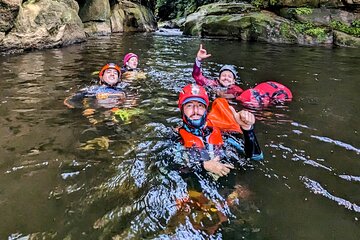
344, 40
37, 24
130, 17
43, 24
123, 16
303, 26
8, 12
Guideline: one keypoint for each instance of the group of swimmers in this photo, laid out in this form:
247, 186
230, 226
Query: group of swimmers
211, 141
206, 135
109, 90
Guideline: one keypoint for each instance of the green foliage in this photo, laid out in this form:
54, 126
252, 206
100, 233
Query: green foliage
312, 30
303, 11
273, 2
257, 3
356, 23
285, 30
317, 32
353, 30
301, 27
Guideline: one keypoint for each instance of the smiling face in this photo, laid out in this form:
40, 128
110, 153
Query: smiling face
132, 63
111, 76
194, 110
226, 78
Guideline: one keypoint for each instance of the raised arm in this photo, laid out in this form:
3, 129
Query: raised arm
202, 54
197, 73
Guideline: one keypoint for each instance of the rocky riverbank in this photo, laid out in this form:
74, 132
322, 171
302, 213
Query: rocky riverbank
289, 24
37, 24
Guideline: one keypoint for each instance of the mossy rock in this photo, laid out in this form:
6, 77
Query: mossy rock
322, 16
227, 25
345, 40
353, 29
225, 8
306, 3
209, 13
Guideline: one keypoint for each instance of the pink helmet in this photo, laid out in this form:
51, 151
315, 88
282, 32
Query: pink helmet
128, 56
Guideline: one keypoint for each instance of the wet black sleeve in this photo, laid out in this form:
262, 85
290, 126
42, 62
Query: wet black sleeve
252, 148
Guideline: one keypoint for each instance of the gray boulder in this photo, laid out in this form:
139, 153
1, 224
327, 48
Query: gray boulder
8, 11
44, 24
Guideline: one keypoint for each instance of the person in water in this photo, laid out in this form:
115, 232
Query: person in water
130, 68
207, 146
225, 85
108, 93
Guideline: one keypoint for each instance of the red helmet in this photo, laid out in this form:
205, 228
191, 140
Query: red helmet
109, 66
128, 56
193, 92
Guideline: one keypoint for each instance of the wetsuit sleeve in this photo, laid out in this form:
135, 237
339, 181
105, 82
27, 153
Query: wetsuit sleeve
234, 90
199, 78
252, 148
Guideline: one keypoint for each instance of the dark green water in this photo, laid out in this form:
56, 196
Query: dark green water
308, 186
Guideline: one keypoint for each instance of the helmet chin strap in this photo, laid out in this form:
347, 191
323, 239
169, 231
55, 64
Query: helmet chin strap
102, 81
195, 126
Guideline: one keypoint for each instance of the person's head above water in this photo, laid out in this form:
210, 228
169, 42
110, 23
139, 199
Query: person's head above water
130, 60
110, 74
193, 103
227, 75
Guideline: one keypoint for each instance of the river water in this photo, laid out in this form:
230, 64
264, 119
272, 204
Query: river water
67, 175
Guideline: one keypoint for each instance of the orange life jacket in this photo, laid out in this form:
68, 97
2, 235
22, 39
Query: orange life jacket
191, 140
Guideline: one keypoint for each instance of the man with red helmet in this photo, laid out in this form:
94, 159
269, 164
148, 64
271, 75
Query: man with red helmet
109, 74
208, 145
107, 93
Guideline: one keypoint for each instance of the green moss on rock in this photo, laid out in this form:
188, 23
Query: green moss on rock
303, 11
353, 30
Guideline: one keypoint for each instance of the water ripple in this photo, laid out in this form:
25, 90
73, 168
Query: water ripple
350, 178
316, 188
338, 143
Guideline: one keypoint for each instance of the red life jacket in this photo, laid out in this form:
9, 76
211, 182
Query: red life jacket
275, 90
191, 140
264, 94
254, 98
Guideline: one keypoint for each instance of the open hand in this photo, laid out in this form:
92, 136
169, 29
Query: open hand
244, 118
202, 53
215, 166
